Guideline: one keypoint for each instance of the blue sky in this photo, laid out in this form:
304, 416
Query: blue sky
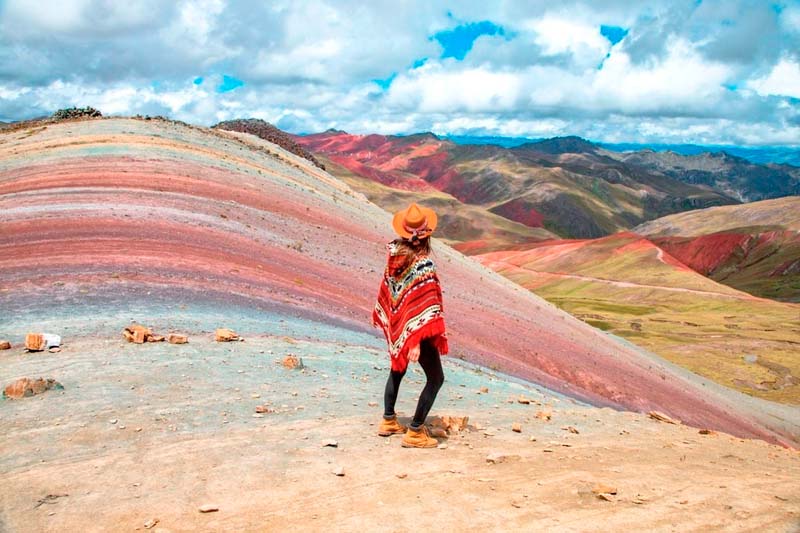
711, 72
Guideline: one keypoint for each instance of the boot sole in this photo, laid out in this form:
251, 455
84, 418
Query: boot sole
390, 433
406, 445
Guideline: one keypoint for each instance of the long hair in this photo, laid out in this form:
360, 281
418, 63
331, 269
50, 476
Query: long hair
413, 248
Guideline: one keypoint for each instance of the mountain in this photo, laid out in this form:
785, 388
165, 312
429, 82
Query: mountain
753, 247
567, 186
223, 229
627, 285
763, 155
731, 175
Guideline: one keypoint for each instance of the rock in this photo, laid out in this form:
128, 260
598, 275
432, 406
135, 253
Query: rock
34, 342
292, 362
707, 432
543, 415
442, 446
570, 429
113, 421
484, 390
439, 433
136, 333
402, 475
54, 349
150, 524
5, 345
260, 409
523, 400
175, 338
602, 488
25, 387
208, 508
330, 442
605, 496
500, 457
451, 424
516, 427
225, 335
339, 471
155, 338
661, 417
373, 404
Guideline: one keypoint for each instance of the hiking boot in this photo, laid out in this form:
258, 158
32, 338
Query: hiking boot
390, 427
419, 438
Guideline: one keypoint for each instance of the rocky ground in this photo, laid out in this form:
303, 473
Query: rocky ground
143, 436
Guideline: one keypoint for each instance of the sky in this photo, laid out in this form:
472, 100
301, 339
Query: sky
699, 71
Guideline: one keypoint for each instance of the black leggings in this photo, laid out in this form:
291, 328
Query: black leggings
432, 365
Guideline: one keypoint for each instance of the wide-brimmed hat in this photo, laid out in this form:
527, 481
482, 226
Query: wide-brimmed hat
414, 221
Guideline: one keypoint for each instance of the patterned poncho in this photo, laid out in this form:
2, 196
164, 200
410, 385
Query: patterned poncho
409, 307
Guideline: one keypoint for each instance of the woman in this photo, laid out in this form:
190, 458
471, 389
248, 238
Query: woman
409, 310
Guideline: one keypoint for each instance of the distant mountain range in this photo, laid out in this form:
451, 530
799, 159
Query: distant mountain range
789, 155
568, 186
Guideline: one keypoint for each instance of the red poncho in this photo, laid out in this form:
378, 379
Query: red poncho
409, 307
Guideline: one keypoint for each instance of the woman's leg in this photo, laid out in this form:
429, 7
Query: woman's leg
390, 394
431, 363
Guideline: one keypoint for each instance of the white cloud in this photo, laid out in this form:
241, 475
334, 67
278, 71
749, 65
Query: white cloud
582, 40
783, 80
310, 65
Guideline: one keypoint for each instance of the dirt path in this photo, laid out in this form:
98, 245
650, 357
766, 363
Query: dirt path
155, 431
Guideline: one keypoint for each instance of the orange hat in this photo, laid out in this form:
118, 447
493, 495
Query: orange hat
414, 221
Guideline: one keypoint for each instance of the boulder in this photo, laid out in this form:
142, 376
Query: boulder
5, 345
25, 387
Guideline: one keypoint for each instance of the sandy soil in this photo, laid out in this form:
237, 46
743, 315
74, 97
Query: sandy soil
155, 431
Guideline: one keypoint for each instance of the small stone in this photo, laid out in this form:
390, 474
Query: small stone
25, 387
602, 488
330, 443
570, 429
155, 338
255, 396
484, 390
175, 338
136, 333
439, 433
261, 409
661, 417
5, 345
54, 349
402, 475
707, 432
516, 427
543, 415
258, 415
113, 421
373, 404
605, 496
225, 335
208, 508
442, 446
150, 524
499, 457
34, 342
533, 439
523, 400
339, 471
292, 362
